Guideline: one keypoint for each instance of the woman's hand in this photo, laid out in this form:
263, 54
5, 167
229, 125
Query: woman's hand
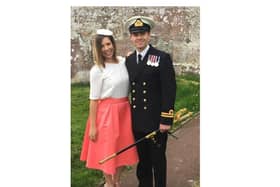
128, 53
92, 134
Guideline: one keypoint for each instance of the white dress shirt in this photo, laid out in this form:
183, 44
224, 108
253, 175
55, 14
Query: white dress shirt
142, 53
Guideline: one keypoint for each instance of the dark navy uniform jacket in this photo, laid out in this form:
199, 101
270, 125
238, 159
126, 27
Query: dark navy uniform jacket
152, 89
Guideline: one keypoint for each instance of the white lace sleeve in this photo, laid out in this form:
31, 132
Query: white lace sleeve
96, 81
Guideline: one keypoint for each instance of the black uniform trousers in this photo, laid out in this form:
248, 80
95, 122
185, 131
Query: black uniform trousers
152, 160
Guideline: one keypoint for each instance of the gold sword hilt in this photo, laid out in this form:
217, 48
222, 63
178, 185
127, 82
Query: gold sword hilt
152, 134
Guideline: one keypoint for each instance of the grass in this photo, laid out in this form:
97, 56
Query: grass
80, 176
187, 96
188, 93
196, 182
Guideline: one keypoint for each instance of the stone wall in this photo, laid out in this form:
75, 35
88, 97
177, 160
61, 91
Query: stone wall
177, 31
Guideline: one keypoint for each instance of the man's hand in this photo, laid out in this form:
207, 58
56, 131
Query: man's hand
164, 128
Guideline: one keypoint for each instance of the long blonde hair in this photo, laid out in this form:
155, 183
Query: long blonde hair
97, 53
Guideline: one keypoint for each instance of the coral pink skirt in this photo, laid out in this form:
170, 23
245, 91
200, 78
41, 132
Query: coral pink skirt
114, 132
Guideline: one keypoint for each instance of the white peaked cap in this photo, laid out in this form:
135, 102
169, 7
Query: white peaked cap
104, 32
145, 19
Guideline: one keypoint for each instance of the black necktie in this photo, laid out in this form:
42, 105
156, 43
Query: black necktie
139, 58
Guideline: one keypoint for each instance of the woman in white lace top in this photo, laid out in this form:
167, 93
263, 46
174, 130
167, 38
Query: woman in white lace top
108, 127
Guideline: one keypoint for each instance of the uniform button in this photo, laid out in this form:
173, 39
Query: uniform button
145, 108
145, 100
133, 98
133, 83
134, 106
133, 91
144, 83
144, 91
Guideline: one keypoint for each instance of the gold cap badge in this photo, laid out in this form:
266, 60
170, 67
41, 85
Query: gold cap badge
138, 23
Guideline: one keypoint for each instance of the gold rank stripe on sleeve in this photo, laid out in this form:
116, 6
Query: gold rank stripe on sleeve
166, 116
170, 114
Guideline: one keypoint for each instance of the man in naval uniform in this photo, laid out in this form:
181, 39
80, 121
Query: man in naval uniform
153, 91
